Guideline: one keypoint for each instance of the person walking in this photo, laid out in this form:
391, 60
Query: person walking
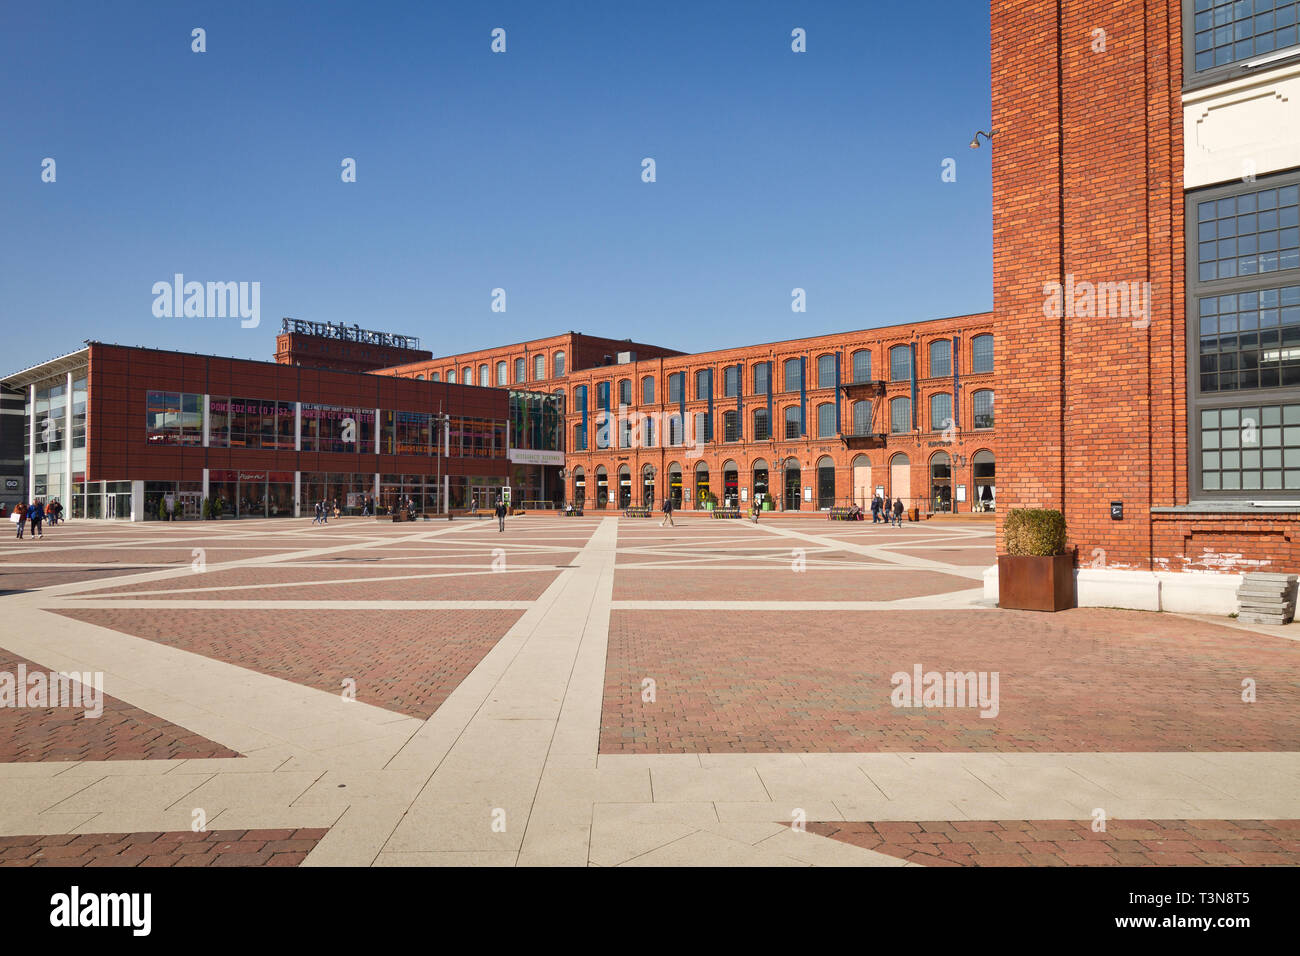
898, 512
315, 518
668, 512
19, 517
324, 512
501, 515
36, 515
875, 510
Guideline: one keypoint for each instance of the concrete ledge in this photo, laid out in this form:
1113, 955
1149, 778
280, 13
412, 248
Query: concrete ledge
1181, 592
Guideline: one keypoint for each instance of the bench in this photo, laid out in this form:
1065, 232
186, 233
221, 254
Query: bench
726, 512
574, 513
840, 513
636, 513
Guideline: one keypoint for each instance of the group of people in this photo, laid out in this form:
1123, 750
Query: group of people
323, 511
884, 510
35, 514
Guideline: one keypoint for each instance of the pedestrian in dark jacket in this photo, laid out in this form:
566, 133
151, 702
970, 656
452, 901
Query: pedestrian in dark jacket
36, 515
501, 515
875, 510
668, 512
898, 512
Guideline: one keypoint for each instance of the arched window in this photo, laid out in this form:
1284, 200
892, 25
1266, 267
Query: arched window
862, 418
731, 381
985, 474
941, 412
579, 486
502, 369
900, 363
520, 370
900, 478
625, 391
940, 482
676, 384
900, 415
539, 367
862, 365
484, 376
825, 483
579, 437
792, 422
826, 420
702, 387
648, 390
648, 431
674, 429
703, 427
981, 353
826, 371
419, 377
558, 364
433, 377
762, 378
451, 376
467, 375
940, 358
762, 427
793, 375
730, 426
983, 402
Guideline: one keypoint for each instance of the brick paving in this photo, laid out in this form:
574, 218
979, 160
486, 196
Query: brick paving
174, 848
1074, 843
121, 732
1083, 680
773, 584
405, 661
31, 579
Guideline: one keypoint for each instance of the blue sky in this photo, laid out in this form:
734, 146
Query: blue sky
522, 171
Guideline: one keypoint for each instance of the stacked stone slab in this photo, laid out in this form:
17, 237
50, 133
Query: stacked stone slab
1266, 598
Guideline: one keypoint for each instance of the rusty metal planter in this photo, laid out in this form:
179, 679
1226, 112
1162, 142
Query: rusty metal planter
1034, 583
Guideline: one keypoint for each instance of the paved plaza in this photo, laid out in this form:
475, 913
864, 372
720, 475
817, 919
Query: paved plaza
601, 690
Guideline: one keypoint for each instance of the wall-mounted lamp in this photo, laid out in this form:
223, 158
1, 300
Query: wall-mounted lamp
975, 141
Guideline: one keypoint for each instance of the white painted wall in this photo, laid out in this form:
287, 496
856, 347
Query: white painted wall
1252, 120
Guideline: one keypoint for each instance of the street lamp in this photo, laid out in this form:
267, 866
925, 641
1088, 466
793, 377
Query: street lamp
975, 140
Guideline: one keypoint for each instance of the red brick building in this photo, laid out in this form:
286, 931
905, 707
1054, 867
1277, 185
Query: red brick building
344, 348
1151, 148
805, 424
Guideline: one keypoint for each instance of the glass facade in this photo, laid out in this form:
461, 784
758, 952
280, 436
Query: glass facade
251, 423
1230, 31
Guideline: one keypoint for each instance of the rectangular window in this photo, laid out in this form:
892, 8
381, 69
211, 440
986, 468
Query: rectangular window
793, 375
559, 364
520, 371
762, 427
792, 422
1224, 32
648, 390
171, 418
1244, 336
1254, 448
826, 420
539, 367
862, 418
983, 408
334, 428
981, 354
625, 391
731, 427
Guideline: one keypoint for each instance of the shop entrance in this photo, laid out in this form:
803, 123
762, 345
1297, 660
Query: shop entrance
793, 492
825, 484
117, 505
730, 485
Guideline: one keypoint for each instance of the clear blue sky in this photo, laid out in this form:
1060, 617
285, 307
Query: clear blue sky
477, 170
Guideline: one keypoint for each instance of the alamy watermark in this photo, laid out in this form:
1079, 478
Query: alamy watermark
42, 690
946, 689
1100, 300
213, 300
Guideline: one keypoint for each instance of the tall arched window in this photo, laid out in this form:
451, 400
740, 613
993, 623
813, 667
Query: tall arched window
862, 418
983, 403
940, 358
793, 375
579, 437
702, 383
484, 376
558, 364
451, 376
900, 415
730, 426
625, 391
521, 371
467, 375
826, 420
862, 365
674, 429
762, 378
762, 428
900, 363
941, 412
539, 367
648, 390
419, 377
981, 353
792, 422
826, 371
648, 431
501, 374
433, 377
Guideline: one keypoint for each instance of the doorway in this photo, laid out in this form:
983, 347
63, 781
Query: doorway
793, 489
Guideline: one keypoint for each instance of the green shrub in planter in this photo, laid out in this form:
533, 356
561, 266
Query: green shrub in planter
1034, 531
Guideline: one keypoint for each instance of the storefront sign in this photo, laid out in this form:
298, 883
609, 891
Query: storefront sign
530, 456
961, 492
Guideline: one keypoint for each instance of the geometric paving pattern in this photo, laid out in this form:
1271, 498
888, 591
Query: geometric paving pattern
179, 848
1075, 843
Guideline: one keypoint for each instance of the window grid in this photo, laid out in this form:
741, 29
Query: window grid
792, 422
826, 371
648, 390
1250, 234
981, 354
941, 412
826, 420
862, 418
762, 428
900, 363
730, 427
1228, 31
900, 415
983, 407
793, 378
1250, 449
940, 359
559, 364
731, 382
862, 365
760, 379
1250, 340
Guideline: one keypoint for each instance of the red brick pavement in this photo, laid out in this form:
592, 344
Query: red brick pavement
771, 584
405, 661
276, 583
1073, 843
121, 732
173, 848
1083, 680
31, 579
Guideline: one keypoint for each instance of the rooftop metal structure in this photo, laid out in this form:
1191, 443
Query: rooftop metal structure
347, 333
